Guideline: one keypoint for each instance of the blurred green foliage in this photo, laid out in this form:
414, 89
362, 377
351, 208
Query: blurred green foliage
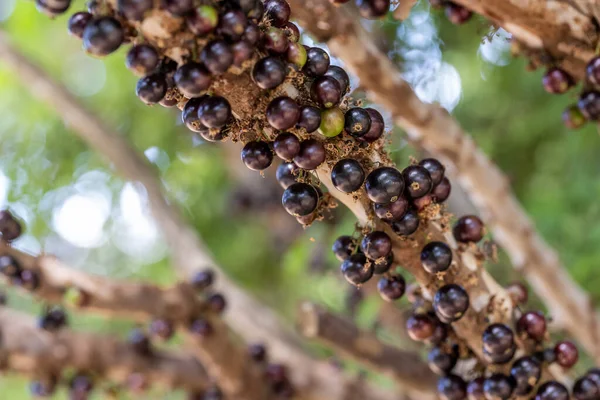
553, 171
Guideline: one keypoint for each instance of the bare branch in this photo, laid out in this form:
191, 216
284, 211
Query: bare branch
342, 335
433, 129
27, 349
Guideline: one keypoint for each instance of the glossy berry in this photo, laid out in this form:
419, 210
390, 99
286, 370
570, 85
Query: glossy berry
292, 31
343, 247
340, 76
376, 129
589, 105
190, 114
436, 257
286, 174
566, 354
142, 59
310, 118
311, 155
586, 388
391, 288
179, 8
203, 279
347, 175
29, 280
594, 375
134, 9
242, 51
468, 229
393, 211
217, 56
283, 113
162, 329
593, 71
501, 358
103, 36
526, 372
286, 146
557, 81
442, 361
384, 185
257, 352
552, 390
53, 320
450, 303
357, 269
326, 91
10, 227
376, 245
252, 33
498, 387
275, 40
420, 327
296, 54
573, 118
257, 155
357, 121
269, 72
332, 122
373, 9
435, 168
407, 224
317, 63
498, 339
151, 88
451, 387
300, 199
140, 342
475, 389
78, 22
257, 12
233, 24
381, 266
192, 79
518, 292
441, 192
214, 112
201, 328
216, 303
202, 20
532, 324
457, 14
418, 181
278, 11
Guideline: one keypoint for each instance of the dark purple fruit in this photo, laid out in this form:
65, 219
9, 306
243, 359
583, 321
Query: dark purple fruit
475, 389
317, 63
201, 328
216, 303
384, 185
326, 91
179, 7
589, 105
441, 191
377, 126
283, 113
498, 387
586, 388
391, 212
457, 14
312, 154
286, 146
526, 372
217, 56
417, 180
593, 71
435, 168
566, 354
190, 115
450, 303
339, 75
192, 79
441, 361
275, 40
310, 118
278, 11
552, 390
498, 339
286, 174
53, 320
252, 33
151, 88
233, 24
391, 288
452, 387
142, 59
420, 327
376, 245
532, 324
134, 9
269, 72
343, 247
468, 229
78, 22
10, 227
242, 51
557, 81
102, 36
407, 224
257, 155
373, 9
162, 329
381, 266
357, 269
499, 359
203, 279
52, 8
214, 112
300, 199
357, 121
202, 20
436, 257
347, 175
140, 342
257, 352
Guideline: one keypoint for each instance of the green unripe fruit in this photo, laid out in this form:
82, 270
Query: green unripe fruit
332, 122
573, 118
296, 54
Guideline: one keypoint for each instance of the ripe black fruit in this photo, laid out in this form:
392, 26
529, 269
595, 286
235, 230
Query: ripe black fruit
347, 175
140, 342
192, 79
557, 81
286, 146
498, 387
442, 361
436, 257
78, 22
134, 9
357, 269
526, 372
566, 354
532, 324
468, 228
269, 72
275, 40
391, 288
142, 59
151, 88
202, 20
357, 121
377, 126
384, 185
589, 105
451, 387
203, 279
283, 113
52, 8
312, 154
190, 116
326, 91
300, 199
441, 191
217, 56
102, 36
286, 174
216, 303
593, 71
586, 389
53, 320
339, 75
381, 266
475, 389
376, 245
232, 24
10, 227
418, 181
552, 390
179, 7
257, 155
435, 168
450, 303
214, 112
373, 9
278, 11
310, 118
498, 339
407, 224
343, 247
420, 327
393, 211
317, 63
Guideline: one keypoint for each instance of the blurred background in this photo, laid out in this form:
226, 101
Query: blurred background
76, 207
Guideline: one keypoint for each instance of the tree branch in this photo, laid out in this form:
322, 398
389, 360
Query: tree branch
27, 349
406, 368
433, 129
249, 318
